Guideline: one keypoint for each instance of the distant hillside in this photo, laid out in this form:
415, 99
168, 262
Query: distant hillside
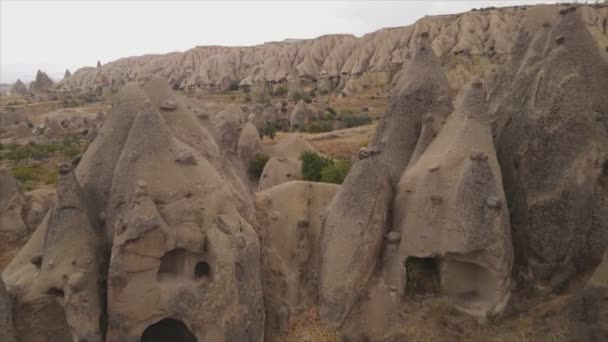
467, 44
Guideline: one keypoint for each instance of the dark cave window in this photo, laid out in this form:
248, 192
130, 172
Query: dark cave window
168, 330
202, 269
55, 292
422, 275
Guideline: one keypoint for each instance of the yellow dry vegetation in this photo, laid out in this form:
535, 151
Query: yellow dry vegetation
309, 329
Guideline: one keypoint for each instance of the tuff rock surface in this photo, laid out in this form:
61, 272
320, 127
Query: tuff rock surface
495, 200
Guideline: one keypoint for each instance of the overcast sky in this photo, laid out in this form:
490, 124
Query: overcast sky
58, 35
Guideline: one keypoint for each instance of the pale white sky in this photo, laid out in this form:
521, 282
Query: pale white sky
55, 35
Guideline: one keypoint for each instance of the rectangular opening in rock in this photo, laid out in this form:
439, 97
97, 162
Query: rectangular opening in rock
422, 275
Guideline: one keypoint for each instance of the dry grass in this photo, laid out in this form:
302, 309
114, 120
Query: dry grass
376, 104
341, 144
535, 319
343, 147
309, 329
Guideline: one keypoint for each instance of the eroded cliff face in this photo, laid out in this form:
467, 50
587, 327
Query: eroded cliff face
467, 44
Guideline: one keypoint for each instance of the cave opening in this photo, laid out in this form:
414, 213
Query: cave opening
168, 330
422, 275
181, 264
55, 292
202, 269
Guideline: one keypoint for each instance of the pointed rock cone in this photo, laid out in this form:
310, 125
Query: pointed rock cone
553, 151
450, 206
60, 288
354, 229
19, 88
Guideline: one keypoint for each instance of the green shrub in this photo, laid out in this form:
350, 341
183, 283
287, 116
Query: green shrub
307, 98
356, 120
313, 165
68, 147
336, 172
29, 175
319, 126
247, 98
256, 165
317, 168
234, 86
281, 91
269, 130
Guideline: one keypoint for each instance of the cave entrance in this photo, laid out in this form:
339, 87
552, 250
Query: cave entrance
202, 269
168, 330
422, 275
181, 264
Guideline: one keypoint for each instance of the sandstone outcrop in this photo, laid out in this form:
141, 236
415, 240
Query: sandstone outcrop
180, 242
357, 217
56, 277
291, 147
6, 323
37, 204
301, 115
12, 118
280, 170
284, 164
551, 136
291, 216
42, 84
152, 213
12, 223
69, 121
450, 207
341, 61
19, 88
488, 202
249, 143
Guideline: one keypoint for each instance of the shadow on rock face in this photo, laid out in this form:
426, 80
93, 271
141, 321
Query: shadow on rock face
168, 330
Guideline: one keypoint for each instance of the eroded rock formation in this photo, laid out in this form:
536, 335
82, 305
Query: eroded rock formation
552, 145
158, 232
180, 239
290, 217
42, 84
13, 226
450, 207
358, 216
19, 88
341, 61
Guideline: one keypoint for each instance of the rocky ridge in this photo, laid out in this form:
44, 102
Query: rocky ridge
467, 45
